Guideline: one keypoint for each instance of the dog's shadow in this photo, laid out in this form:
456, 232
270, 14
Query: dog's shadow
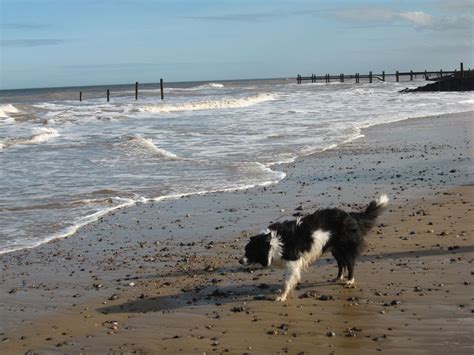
205, 296
209, 295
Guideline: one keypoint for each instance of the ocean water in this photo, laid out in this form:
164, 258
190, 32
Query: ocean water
65, 163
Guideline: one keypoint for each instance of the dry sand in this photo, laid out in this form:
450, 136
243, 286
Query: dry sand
164, 277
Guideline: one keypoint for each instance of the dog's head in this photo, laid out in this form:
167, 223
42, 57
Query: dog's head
257, 251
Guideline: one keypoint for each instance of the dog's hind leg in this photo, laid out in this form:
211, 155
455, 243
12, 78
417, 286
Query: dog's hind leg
350, 267
340, 266
292, 277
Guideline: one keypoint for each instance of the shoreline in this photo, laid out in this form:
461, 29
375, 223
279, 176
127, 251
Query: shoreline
90, 219
178, 253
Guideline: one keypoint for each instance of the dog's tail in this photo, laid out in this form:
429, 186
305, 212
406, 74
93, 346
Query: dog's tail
375, 208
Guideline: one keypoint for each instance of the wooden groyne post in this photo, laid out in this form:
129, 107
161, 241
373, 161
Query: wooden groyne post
108, 95
80, 95
383, 76
136, 90
161, 89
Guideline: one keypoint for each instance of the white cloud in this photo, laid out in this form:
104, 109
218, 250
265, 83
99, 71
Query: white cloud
366, 14
382, 15
418, 18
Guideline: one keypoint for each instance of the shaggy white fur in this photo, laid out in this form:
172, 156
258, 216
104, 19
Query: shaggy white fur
293, 268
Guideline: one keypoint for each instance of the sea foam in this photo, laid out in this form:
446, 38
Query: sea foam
216, 85
209, 104
142, 143
40, 135
7, 109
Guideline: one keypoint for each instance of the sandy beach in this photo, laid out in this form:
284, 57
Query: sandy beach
164, 277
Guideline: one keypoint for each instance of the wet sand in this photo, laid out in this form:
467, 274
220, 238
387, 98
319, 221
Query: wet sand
164, 277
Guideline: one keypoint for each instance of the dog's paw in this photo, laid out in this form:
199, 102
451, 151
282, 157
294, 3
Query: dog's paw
280, 299
338, 279
350, 283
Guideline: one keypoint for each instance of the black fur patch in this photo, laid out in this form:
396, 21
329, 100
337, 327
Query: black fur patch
346, 241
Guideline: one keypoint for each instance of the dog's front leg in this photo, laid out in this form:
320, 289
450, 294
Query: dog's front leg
292, 277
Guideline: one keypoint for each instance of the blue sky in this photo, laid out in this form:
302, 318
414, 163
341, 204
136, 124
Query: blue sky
46, 43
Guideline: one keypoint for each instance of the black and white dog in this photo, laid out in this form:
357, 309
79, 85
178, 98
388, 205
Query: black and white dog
296, 244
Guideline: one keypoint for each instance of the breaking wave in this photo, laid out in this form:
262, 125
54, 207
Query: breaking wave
6, 109
142, 143
215, 85
42, 135
199, 87
209, 104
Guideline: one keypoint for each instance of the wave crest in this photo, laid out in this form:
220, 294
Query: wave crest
6, 109
216, 85
42, 135
209, 104
142, 143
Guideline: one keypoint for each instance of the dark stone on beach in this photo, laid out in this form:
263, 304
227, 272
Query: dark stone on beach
330, 334
325, 298
350, 333
237, 309
308, 294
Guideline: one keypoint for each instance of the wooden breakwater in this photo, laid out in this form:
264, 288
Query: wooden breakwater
107, 93
428, 75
